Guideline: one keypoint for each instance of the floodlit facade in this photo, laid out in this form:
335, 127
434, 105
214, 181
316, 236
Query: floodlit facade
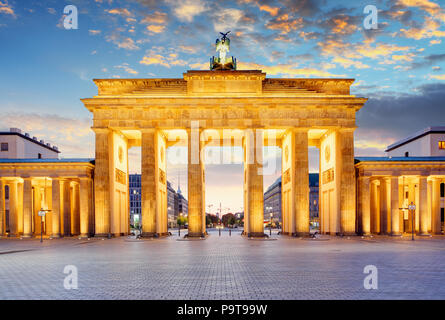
243, 108
222, 108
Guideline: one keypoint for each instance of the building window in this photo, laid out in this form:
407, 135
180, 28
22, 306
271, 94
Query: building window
4, 146
406, 154
442, 189
6, 192
442, 145
39, 156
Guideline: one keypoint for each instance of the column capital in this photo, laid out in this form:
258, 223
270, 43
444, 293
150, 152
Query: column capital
346, 129
100, 130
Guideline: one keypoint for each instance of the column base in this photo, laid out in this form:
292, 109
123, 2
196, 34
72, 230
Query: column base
55, 235
300, 234
84, 235
257, 235
366, 234
195, 235
423, 235
396, 234
348, 234
27, 235
103, 235
149, 235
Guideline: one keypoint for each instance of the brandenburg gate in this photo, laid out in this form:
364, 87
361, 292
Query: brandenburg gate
225, 107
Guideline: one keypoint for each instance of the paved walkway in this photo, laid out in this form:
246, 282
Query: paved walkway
223, 268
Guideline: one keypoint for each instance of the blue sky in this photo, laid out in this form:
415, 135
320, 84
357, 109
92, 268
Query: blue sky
45, 69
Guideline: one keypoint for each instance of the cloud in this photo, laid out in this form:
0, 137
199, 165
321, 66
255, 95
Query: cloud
155, 18
388, 117
285, 24
156, 28
94, 32
186, 10
120, 11
437, 77
6, 8
122, 42
230, 19
127, 69
73, 137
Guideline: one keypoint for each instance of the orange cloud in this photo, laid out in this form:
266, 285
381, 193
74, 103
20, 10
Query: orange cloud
156, 17
120, 11
273, 11
284, 24
156, 28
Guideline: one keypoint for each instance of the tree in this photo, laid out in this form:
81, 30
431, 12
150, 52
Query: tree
228, 219
181, 221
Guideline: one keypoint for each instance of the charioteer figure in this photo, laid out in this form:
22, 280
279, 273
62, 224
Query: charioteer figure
223, 62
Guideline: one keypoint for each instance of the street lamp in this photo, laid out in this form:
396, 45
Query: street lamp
412, 208
42, 214
270, 225
179, 224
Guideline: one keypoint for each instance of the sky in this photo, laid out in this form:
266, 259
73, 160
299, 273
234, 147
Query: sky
46, 69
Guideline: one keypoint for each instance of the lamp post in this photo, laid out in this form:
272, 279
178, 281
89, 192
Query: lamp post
270, 225
42, 214
412, 209
179, 224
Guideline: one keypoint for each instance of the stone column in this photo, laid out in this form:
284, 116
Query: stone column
75, 216
435, 206
301, 182
13, 209
345, 155
384, 206
429, 192
423, 206
395, 212
66, 203
254, 183
196, 201
364, 204
84, 199
55, 213
375, 208
27, 208
2, 208
148, 182
102, 182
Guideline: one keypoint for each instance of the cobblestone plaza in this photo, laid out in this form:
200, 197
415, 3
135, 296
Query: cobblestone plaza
226, 267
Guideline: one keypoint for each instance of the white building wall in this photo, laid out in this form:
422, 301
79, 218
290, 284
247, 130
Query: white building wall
426, 146
21, 148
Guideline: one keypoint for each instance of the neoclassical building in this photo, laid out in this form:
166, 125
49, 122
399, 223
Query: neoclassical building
221, 108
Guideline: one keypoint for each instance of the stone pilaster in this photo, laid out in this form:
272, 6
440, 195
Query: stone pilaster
395, 211
195, 169
56, 207
75, 216
254, 182
102, 182
423, 206
148, 182
364, 204
2, 208
27, 208
84, 207
375, 208
301, 181
345, 156
435, 206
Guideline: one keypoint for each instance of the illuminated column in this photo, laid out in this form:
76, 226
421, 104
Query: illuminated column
84, 206
423, 206
395, 213
345, 155
55, 213
364, 204
75, 210
429, 218
27, 208
66, 202
196, 200
385, 209
375, 208
149, 183
13, 209
254, 182
102, 182
301, 181
435, 206
2, 208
